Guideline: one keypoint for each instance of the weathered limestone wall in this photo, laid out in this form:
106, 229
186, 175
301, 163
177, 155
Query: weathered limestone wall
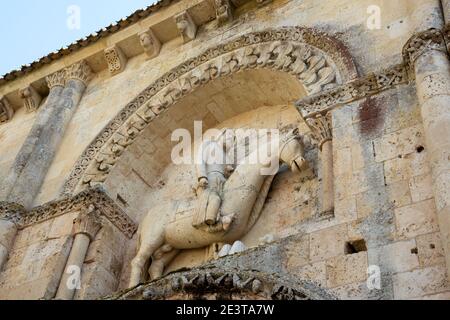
106, 95
385, 212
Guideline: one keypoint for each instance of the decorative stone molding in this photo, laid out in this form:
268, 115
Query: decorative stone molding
186, 26
88, 222
321, 128
422, 42
358, 89
12, 212
116, 59
104, 205
31, 98
294, 50
79, 71
57, 79
150, 43
224, 11
217, 283
6, 110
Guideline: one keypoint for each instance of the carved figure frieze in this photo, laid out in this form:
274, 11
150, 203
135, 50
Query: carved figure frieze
217, 283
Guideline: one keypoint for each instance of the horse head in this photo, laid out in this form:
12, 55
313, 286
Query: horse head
292, 151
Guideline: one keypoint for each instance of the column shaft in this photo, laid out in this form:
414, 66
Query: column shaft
327, 178
67, 287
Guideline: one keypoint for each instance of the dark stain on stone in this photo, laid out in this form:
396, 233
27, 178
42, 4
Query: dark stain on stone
370, 115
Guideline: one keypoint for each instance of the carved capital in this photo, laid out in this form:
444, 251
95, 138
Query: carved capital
150, 43
79, 71
88, 222
31, 98
6, 110
57, 79
186, 26
224, 11
421, 43
321, 128
116, 59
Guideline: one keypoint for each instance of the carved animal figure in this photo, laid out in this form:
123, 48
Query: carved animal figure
244, 195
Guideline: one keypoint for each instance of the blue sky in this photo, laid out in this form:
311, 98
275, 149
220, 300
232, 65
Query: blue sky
30, 29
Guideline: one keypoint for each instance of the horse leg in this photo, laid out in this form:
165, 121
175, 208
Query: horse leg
162, 257
146, 250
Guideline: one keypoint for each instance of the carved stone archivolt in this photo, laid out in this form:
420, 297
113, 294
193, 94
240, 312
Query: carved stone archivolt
216, 283
104, 205
6, 110
293, 50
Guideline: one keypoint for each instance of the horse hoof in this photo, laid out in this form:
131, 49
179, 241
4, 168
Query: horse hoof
237, 247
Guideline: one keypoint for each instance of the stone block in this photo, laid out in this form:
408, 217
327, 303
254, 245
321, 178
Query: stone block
328, 242
396, 257
430, 250
346, 269
421, 188
416, 219
420, 282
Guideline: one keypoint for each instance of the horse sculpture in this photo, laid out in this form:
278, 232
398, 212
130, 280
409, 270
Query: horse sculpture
243, 197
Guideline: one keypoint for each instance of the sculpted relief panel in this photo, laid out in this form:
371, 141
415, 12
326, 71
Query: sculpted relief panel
290, 50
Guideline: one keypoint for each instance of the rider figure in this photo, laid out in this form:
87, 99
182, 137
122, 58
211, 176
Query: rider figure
213, 169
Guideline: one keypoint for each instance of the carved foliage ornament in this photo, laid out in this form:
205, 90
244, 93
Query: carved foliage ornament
321, 128
88, 222
79, 71
57, 79
290, 49
361, 88
6, 110
82, 201
422, 42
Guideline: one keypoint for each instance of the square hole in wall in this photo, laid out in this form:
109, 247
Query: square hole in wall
355, 246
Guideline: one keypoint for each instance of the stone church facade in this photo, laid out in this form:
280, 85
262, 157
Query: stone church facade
86, 144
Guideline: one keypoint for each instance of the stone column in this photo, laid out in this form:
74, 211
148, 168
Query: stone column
321, 129
36, 155
10, 217
427, 56
55, 83
86, 226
